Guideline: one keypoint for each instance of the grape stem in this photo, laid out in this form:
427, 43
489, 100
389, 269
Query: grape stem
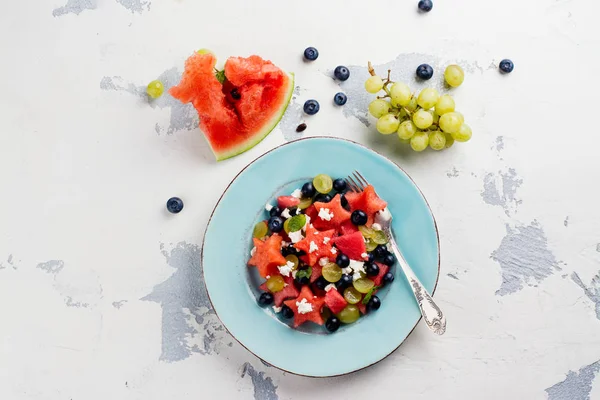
371, 69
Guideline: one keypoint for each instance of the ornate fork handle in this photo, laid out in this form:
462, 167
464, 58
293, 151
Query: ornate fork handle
433, 316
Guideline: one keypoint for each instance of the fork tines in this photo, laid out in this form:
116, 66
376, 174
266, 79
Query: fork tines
356, 182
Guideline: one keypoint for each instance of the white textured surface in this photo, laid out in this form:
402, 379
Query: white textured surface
96, 292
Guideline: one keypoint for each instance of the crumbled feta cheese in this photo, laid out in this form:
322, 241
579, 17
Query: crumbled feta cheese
347, 270
268, 207
286, 213
312, 247
383, 215
297, 193
329, 287
323, 261
295, 237
364, 255
284, 243
326, 240
253, 252
268, 276
304, 306
357, 266
294, 272
325, 214
376, 226
307, 223
286, 269
277, 309
298, 211
389, 246
333, 250
356, 276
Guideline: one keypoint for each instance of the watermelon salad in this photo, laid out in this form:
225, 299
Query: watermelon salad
321, 255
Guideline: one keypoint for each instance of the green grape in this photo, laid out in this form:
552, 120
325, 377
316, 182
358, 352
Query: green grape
378, 108
305, 203
387, 124
349, 314
295, 223
449, 140
419, 141
400, 94
436, 117
155, 89
406, 130
366, 231
428, 98
444, 105
422, 119
370, 245
380, 237
275, 283
404, 141
331, 272
412, 104
352, 295
454, 75
402, 114
286, 226
363, 285
374, 84
437, 140
260, 230
323, 183
294, 259
204, 51
460, 116
450, 122
463, 134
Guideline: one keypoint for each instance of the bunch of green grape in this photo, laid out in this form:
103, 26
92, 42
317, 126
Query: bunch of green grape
424, 119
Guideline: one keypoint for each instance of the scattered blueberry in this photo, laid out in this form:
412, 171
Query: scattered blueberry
301, 127
275, 211
506, 66
371, 258
380, 251
340, 99
339, 185
425, 5
389, 259
332, 324
311, 54
388, 277
374, 303
341, 72
425, 71
342, 260
290, 249
287, 312
308, 190
344, 202
321, 283
265, 299
275, 224
311, 107
235, 94
359, 217
372, 269
174, 205
323, 198
302, 280
344, 282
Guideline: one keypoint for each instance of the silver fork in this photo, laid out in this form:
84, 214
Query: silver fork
433, 316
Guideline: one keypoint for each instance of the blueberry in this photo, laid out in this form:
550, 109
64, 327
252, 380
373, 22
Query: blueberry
424, 71
372, 269
235, 94
380, 251
265, 299
174, 205
425, 5
340, 99
302, 280
275, 211
323, 198
332, 324
342, 260
506, 66
359, 217
344, 282
321, 283
388, 277
289, 249
374, 303
275, 224
311, 107
287, 312
339, 185
389, 259
311, 54
344, 202
371, 257
341, 72
308, 190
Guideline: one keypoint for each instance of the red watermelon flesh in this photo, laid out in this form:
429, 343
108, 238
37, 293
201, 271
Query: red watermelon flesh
230, 125
352, 245
335, 301
316, 272
288, 292
267, 256
287, 201
347, 228
383, 269
362, 308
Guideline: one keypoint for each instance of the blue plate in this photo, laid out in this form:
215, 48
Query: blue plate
231, 284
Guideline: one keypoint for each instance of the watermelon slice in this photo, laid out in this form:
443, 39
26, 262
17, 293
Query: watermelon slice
347, 228
383, 269
306, 296
335, 301
368, 201
352, 245
340, 215
267, 256
234, 125
323, 242
287, 201
288, 292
